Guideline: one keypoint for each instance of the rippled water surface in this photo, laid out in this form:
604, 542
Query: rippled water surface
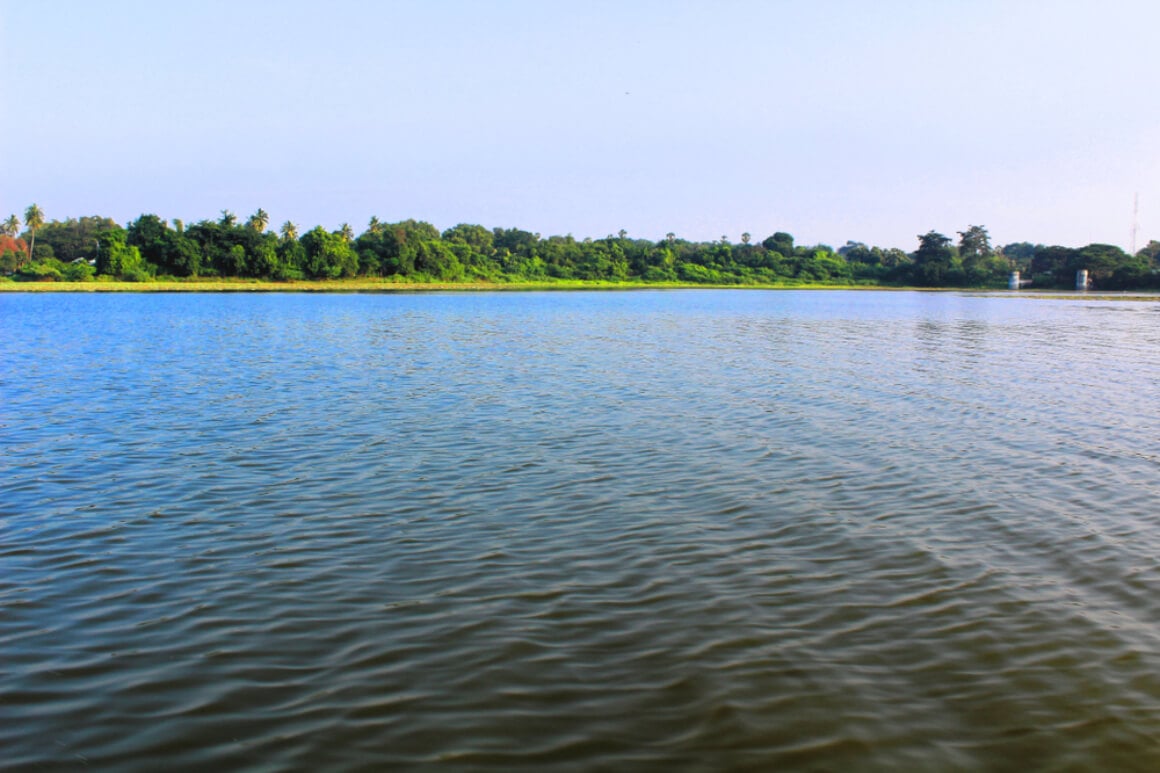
573, 531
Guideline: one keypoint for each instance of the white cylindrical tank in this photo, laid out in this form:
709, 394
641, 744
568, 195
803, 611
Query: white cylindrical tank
1013, 281
1081, 279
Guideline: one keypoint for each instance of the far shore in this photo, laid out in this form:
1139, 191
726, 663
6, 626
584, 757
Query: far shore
374, 285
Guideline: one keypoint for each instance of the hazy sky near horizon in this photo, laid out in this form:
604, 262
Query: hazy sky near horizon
832, 120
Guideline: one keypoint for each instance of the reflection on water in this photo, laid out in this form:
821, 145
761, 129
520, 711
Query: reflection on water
693, 530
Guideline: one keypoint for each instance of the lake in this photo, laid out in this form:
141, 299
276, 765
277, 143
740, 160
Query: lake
647, 530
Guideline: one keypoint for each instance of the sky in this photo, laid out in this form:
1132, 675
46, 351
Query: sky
833, 120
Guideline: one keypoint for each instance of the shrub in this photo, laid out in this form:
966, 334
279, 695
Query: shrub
78, 272
136, 274
47, 271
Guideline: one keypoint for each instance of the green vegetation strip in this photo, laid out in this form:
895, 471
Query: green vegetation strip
380, 286
228, 255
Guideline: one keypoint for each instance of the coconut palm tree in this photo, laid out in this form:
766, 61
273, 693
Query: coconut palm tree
346, 231
374, 226
11, 226
289, 232
33, 218
228, 218
259, 220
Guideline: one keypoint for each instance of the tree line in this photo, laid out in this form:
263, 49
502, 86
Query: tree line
87, 248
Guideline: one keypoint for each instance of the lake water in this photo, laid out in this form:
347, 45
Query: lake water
668, 530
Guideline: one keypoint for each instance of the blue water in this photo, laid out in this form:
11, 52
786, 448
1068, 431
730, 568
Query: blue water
678, 530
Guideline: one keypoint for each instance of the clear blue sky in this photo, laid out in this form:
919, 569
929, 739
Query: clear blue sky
833, 120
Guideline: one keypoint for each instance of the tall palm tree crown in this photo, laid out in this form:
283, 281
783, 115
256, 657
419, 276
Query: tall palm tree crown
259, 220
33, 218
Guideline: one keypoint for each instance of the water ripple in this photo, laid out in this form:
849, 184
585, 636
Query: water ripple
688, 530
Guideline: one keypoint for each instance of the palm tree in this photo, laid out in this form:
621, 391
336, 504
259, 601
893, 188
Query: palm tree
346, 231
745, 237
374, 226
289, 232
622, 233
33, 218
11, 226
670, 237
228, 218
259, 220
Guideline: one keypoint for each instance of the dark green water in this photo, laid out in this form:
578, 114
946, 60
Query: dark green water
579, 531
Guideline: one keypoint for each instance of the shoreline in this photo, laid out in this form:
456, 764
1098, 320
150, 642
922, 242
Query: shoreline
381, 286
387, 286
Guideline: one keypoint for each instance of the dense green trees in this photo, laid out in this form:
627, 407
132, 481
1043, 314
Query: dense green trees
74, 238
1108, 266
934, 261
980, 263
170, 250
13, 252
417, 251
328, 255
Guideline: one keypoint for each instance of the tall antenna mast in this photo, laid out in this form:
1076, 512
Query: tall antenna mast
1135, 220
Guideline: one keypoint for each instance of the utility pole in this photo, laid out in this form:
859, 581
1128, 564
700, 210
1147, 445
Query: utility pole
1135, 220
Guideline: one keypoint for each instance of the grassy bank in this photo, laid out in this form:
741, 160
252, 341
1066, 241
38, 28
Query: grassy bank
380, 285
372, 285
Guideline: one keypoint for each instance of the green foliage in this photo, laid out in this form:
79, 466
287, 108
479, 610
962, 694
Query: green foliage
74, 238
328, 255
53, 270
694, 272
117, 258
78, 271
780, 242
379, 253
1020, 254
1054, 266
34, 219
41, 271
935, 263
236, 263
823, 265
437, 260
1102, 261
479, 239
291, 257
1108, 267
416, 250
137, 273
980, 264
10, 260
258, 221
169, 250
